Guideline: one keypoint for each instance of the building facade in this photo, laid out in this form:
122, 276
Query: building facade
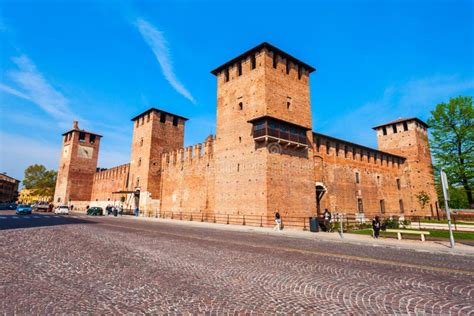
264, 157
8, 188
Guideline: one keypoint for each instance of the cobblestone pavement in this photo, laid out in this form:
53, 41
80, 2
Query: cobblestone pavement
78, 264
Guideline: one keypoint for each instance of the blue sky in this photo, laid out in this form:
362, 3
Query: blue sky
102, 62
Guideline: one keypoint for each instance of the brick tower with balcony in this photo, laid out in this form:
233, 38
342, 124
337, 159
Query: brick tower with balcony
77, 166
263, 146
408, 137
155, 132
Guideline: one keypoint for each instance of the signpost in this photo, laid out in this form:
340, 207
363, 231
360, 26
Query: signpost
444, 184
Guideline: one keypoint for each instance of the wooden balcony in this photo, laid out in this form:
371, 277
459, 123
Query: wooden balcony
286, 138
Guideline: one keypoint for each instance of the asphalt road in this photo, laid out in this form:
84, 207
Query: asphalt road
68, 264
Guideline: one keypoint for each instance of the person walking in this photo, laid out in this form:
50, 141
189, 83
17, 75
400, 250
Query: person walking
277, 221
376, 226
136, 211
327, 220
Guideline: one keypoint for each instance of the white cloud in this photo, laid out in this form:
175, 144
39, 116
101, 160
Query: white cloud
158, 44
415, 97
37, 89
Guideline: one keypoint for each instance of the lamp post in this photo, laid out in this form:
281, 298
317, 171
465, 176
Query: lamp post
444, 184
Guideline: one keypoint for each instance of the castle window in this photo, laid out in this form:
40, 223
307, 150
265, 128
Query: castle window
300, 72
357, 177
402, 209
175, 121
241, 106
91, 139
405, 126
141, 141
239, 68
360, 206
337, 149
137, 122
398, 184
253, 62
345, 151
226, 74
318, 143
274, 60
238, 167
82, 137
394, 127
328, 146
382, 206
287, 67
384, 130
162, 117
143, 120
148, 117
240, 139
378, 180
139, 162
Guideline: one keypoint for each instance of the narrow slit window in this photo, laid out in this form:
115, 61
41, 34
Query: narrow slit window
384, 130
226, 74
175, 121
239, 68
253, 62
357, 176
360, 206
287, 67
382, 206
405, 126
162, 117
328, 147
275, 61
300, 72
399, 186
241, 106
394, 127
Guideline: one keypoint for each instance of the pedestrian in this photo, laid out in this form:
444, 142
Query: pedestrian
277, 221
120, 210
327, 220
376, 226
72, 207
136, 211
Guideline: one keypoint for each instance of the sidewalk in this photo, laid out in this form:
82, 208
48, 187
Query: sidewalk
416, 245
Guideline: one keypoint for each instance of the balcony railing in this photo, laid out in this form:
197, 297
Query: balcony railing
277, 134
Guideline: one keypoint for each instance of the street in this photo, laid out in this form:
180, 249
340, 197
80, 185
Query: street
54, 264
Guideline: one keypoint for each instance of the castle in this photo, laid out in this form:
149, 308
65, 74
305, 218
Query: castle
264, 157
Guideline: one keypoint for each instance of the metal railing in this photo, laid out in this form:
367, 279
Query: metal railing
277, 133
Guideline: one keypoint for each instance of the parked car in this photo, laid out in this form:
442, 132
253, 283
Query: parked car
23, 209
95, 211
41, 207
63, 209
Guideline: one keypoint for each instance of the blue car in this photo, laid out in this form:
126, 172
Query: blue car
23, 209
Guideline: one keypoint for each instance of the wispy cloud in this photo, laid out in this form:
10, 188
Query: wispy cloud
415, 97
35, 88
158, 44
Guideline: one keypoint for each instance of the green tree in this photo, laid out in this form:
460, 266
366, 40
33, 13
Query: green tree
39, 180
452, 130
423, 198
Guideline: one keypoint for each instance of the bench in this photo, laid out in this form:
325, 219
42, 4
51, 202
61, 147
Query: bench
405, 231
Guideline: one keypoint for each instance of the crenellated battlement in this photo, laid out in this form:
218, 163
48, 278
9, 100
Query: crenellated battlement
190, 154
112, 173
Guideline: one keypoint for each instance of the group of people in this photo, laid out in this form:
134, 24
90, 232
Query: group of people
327, 216
112, 209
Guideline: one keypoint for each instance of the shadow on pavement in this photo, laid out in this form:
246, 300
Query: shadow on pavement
13, 221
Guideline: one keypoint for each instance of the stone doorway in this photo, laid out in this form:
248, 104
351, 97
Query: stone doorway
320, 191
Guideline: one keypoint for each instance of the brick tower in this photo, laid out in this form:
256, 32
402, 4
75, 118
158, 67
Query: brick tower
262, 154
77, 166
408, 137
154, 133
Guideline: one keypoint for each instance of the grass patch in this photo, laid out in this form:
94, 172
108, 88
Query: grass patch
442, 221
433, 233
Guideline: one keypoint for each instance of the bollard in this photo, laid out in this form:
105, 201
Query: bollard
227, 219
214, 218
202, 217
191, 217
261, 221
243, 216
